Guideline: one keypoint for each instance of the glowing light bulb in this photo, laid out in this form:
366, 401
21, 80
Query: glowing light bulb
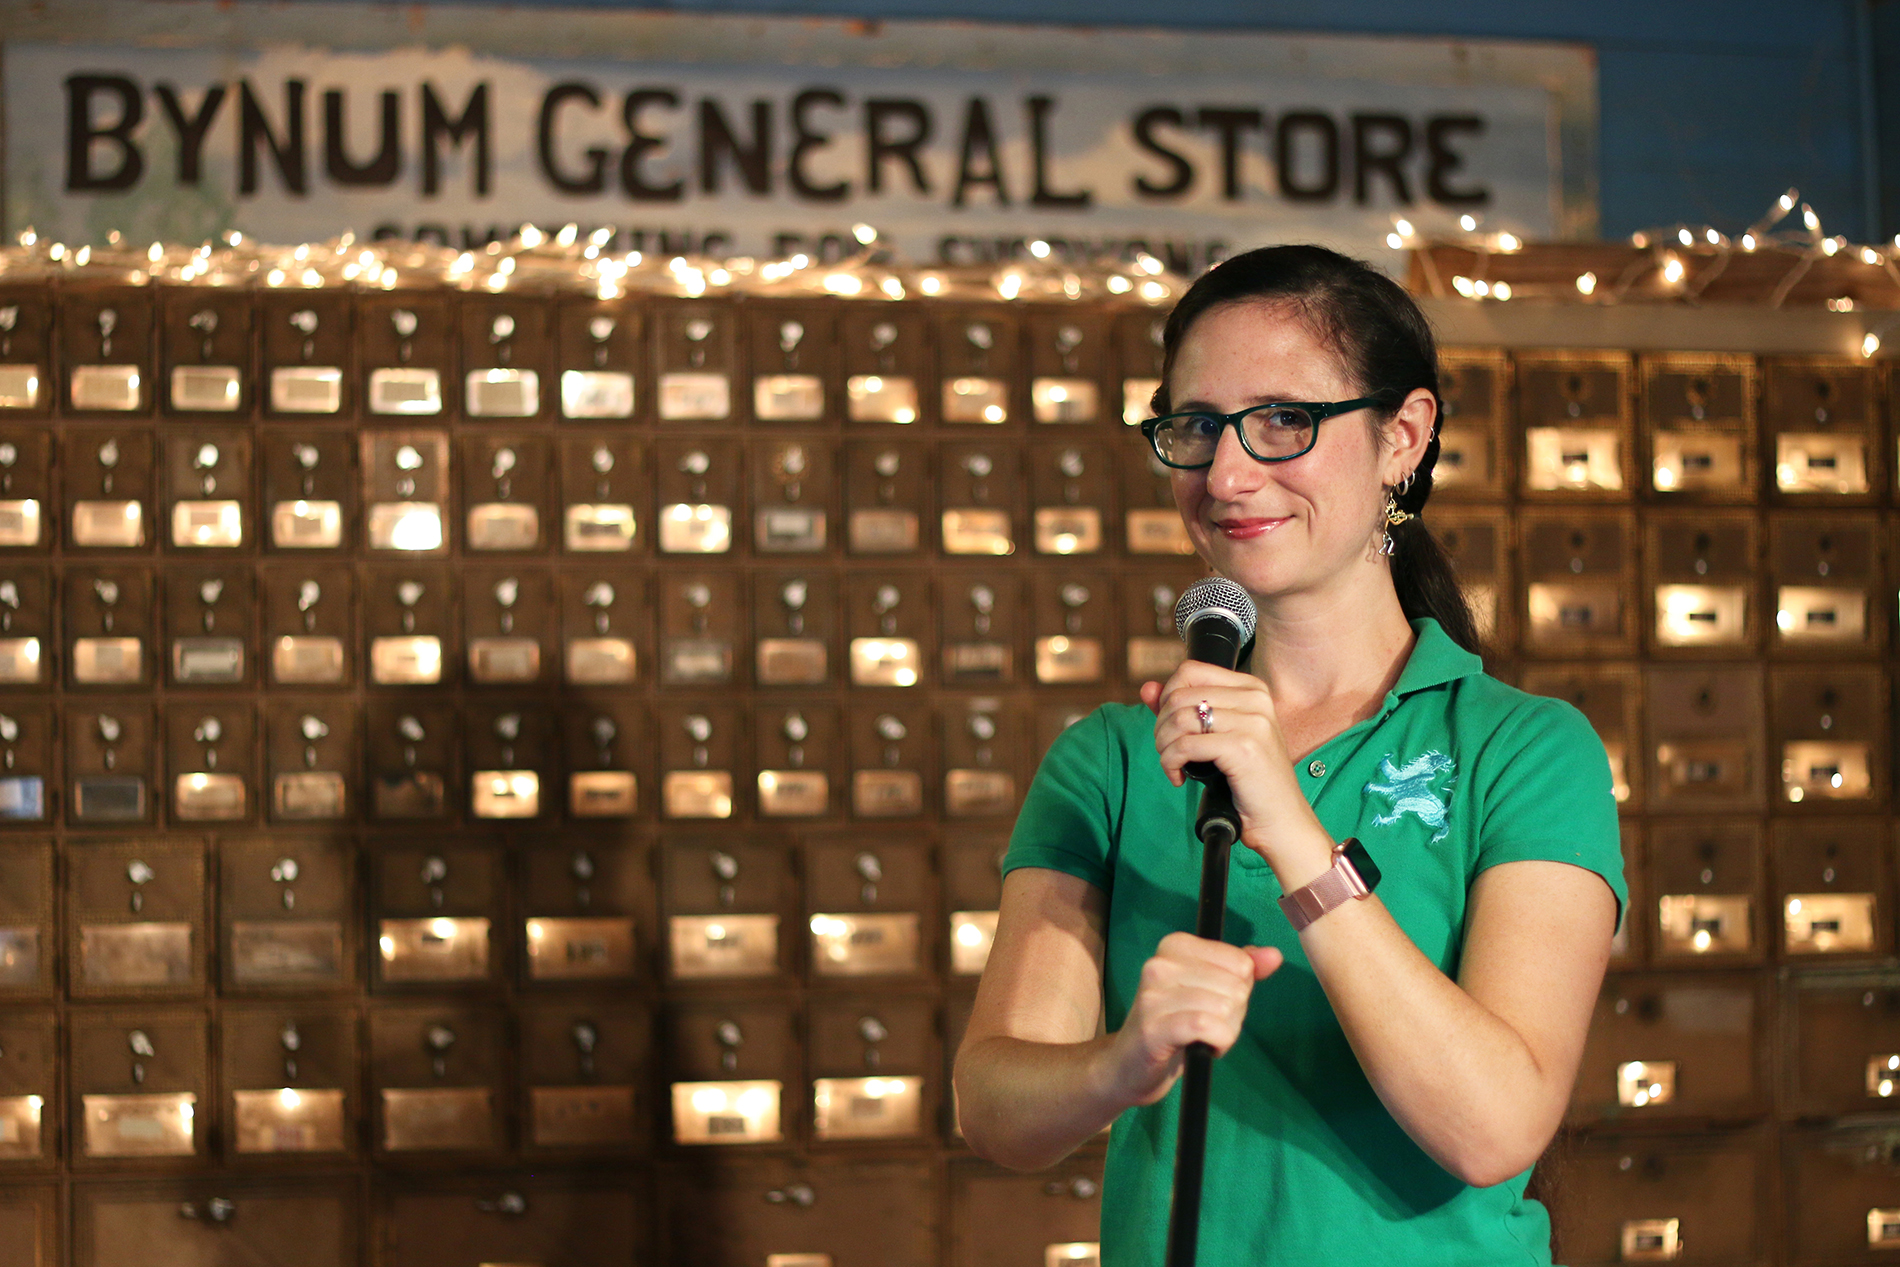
1587, 284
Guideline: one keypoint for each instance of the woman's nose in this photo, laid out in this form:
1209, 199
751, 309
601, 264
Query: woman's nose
1235, 472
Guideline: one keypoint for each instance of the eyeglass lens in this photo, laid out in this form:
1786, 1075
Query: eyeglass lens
1280, 431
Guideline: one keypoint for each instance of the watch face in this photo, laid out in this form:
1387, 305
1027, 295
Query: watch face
1362, 863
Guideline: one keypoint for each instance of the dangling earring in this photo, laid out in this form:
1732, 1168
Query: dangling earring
1393, 518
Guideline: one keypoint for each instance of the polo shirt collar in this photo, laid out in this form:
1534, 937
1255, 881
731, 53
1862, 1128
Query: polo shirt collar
1435, 660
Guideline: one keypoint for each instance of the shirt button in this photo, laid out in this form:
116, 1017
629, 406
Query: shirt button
1316, 768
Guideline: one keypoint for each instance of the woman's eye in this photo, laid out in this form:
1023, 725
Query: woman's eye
1202, 426
1286, 418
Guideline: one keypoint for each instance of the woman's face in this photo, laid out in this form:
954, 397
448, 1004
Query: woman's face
1278, 528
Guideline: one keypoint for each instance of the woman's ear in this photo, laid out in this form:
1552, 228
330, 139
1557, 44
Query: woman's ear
1409, 432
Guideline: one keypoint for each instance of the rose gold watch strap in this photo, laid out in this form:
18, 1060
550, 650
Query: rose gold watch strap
1339, 885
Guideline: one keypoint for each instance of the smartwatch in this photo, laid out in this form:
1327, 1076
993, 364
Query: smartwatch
1353, 875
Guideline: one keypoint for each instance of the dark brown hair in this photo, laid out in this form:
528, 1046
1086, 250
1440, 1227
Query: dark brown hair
1385, 345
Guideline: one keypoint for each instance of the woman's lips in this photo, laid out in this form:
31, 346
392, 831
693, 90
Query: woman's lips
1248, 529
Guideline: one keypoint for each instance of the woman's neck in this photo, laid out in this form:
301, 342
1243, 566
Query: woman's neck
1344, 646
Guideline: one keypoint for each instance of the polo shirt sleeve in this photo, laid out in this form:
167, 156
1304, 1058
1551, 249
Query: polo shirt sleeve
1548, 797
1065, 823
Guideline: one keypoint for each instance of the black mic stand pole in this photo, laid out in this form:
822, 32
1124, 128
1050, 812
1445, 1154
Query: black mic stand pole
1218, 827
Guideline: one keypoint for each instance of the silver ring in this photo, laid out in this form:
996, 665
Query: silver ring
1206, 714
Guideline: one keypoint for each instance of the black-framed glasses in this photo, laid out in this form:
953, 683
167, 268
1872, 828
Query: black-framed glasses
1274, 432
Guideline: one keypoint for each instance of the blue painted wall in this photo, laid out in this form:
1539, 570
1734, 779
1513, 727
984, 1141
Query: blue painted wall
1709, 109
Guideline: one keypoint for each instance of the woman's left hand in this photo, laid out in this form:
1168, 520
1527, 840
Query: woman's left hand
1244, 742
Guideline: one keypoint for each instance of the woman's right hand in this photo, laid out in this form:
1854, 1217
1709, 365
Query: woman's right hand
1192, 991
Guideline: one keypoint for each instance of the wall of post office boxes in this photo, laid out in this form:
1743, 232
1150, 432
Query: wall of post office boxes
520, 777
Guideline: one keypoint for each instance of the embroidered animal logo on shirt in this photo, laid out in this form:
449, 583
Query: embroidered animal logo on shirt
1409, 788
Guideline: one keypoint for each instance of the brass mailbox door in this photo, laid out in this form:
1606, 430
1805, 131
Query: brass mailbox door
510, 626
1706, 736
981, 489
871, 907
28, 769
1003, 1220
409, 624
1151, 523
135, 919
206, 350
309, 616
794, 359
1068, 368
26, 482
701, 776
207, 502
110, 762
1699, 427
703, 623
309, 353
139, 1088
27, 948
506, 482
1075, 619
1479, 545
29, 1225
111, 620
588, 911
609, 758
888, 501
1701, 577
516, 1219
1708, 881
585, 1077
30, 1067
1610, 696
795, 628
728, 909
799, 753
606, 626
886, 355
983, 757
887, 617
106, 349
507, 354
606, 494
438, 915
694, 361
982, 626
972, 891
734, 1066
1841, 1205
312, 1222
1473, 463
1071, 496
1833, 888
874, 1068
893, 774
598, 343
701, 507
27, 382
312, 759
1828, 735
27, 649
1820, 427
210, 761
287, 913
1683, 1046
1574, 411
405, 345
436, 1074
412, 756
794, 495
209, 640
511, 752
1640, 1198
406, 491
290, 1081
1841, 1042
1827, 585
1137, 361
794, 1214
109, 494
1579, 572
978, 352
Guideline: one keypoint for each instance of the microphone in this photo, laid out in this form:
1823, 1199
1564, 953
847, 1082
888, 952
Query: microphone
1216, 619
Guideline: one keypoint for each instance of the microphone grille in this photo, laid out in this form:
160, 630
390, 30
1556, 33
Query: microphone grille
1215, 596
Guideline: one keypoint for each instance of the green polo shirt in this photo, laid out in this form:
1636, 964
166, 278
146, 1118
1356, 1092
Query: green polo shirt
1457, 772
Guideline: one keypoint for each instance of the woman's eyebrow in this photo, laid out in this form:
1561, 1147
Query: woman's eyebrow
1264, 398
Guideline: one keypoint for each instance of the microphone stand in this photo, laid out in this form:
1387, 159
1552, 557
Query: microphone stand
1218, 827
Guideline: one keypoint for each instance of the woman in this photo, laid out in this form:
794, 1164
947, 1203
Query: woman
1393, 1068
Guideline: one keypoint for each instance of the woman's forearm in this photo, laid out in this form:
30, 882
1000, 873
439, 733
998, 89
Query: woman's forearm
1026, 1104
